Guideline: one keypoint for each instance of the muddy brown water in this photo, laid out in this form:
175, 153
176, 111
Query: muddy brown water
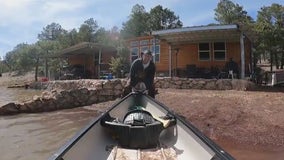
38, 136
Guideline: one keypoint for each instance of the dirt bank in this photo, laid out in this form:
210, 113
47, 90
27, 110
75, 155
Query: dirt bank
14, 78
250, 118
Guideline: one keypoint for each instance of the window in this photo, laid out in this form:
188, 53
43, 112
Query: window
156, 52
219, 51
134, 44
134, 53
204, 51
142, 49
144, 42
152, 41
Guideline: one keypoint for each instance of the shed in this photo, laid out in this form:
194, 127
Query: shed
94, 58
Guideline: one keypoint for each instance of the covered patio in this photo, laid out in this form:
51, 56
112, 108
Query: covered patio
90, 59
238, 44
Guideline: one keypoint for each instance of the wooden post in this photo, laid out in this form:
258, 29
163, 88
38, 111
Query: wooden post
242, 56
100, 59
154, 49
170, 60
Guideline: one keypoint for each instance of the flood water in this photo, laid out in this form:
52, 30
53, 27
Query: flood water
16, 95
37, 136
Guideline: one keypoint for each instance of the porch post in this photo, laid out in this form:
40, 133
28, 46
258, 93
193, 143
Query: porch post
94, 63
252, 57
170, 60
154, 49
99, 67
242, 56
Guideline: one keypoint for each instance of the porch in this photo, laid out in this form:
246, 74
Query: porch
86, 60
204, 51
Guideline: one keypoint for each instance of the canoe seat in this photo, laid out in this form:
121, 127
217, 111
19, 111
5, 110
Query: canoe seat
138, 117
139, 130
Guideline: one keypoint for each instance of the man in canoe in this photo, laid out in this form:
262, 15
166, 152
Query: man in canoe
142, 73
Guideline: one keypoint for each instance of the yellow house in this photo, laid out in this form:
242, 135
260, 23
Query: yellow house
199, 52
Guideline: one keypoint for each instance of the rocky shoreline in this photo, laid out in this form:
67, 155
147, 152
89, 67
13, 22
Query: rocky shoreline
75, 93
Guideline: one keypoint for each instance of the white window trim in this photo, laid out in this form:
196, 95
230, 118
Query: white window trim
220, 51
152, 41
132, 44
204, 51
157, 53
146, 42
141, 50
132, 55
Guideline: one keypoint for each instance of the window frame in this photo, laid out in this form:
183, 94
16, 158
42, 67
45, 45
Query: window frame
157, 54
220, 50
204, 51
134, 55
143, 48
144, 42
152, 41
134, 44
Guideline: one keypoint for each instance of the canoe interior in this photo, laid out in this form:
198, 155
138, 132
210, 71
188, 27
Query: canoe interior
181, 141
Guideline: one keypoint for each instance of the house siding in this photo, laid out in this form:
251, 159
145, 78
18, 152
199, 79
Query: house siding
91, 64
85, 60
188, 55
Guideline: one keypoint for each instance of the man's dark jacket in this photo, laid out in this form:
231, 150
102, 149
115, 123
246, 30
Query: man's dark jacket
139, 74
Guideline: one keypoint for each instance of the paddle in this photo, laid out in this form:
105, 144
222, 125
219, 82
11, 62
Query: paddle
165, 122
140, 87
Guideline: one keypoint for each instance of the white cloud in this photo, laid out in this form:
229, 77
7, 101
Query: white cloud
27, 12
22, 20
13, 11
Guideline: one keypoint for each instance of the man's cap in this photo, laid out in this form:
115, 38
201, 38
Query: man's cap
147, 52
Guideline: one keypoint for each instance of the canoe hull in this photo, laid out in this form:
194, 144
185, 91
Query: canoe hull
180, 141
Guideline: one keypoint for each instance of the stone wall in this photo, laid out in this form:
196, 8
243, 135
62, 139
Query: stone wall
175, 83
75, 93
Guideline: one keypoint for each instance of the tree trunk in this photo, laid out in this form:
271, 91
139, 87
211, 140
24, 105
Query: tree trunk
36, 69
282, 60
276, 59
46, 68
255, 59
10, 68
271, 62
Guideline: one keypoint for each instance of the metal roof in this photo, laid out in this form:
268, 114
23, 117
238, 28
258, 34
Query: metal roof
85, 48
200, 34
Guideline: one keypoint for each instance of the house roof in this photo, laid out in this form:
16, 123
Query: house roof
201, 34
85, 48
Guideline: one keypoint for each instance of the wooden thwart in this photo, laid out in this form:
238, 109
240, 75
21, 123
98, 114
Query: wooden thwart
119, 153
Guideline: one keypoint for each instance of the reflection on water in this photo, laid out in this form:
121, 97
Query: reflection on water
38, 136
16, 95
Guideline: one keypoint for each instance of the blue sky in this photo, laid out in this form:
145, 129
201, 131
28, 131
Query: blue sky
22, 20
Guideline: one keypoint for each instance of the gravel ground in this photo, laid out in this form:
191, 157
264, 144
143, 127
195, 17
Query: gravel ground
252, 118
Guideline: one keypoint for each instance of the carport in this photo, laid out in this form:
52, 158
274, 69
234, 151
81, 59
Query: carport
94, 57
